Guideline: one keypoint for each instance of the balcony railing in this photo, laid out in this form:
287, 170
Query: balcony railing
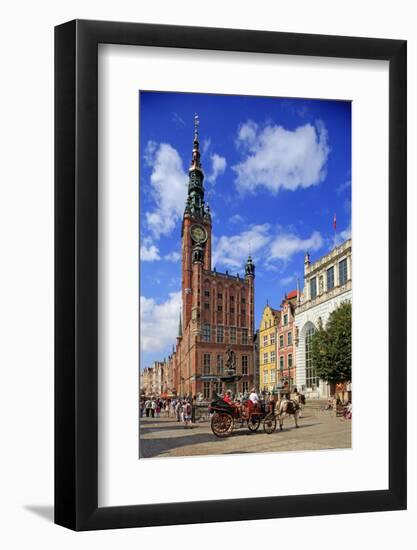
328, 295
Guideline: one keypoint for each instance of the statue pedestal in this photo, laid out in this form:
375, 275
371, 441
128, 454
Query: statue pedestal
229, 382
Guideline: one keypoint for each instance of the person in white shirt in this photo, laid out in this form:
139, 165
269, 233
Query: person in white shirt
254, 396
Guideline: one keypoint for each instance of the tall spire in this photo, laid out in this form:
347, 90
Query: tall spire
195, 159
195, 199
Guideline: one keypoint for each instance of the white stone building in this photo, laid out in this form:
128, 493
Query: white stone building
152, 379
327, 283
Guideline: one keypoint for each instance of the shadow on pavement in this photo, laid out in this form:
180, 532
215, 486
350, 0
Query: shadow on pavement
154, 447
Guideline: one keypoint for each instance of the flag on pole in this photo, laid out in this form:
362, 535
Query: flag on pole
334, 222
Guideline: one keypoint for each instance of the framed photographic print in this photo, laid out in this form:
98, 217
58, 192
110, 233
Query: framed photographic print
230, 275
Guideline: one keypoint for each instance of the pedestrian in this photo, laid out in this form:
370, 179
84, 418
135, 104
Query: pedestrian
148, 406
186, 413
193, 409
153, 408
302, 404
178, 409
157, 408
141, 407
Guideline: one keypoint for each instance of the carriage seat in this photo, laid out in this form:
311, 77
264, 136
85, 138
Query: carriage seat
252, 407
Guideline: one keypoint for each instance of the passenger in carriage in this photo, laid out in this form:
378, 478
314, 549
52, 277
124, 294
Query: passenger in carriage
228, 397
253, 396
253, 401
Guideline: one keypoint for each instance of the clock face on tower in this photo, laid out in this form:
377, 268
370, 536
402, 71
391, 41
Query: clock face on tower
198, 233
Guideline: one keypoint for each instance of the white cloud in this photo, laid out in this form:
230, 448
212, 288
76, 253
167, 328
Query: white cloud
343, 186
148, 251
149, 254
286, 280
246, 134
232, 251
218, 166
159, 322
277, 158
173, 257
285, 245
343, 236
266, 248
206, 145
168, 184
236, 218
149, 153
177, 119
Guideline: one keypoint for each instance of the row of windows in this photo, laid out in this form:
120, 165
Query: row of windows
271, 339
312, 380
269, 323
220, 296
272, 378
270, 358
343, 277
207, 364
207, 334
281, 339
220, 308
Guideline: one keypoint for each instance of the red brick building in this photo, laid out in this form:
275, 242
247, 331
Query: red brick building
286, 340
217, 308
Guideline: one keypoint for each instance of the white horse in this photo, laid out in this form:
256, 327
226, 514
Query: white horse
286, 408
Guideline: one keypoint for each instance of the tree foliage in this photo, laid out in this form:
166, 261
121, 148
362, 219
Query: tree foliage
332, 346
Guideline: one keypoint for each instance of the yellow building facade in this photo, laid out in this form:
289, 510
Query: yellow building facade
268, 370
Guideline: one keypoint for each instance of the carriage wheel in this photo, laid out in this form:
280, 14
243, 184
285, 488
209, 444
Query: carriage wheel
253, 423
222, 424
270, 423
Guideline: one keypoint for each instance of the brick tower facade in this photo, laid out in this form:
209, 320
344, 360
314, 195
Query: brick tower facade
217, 308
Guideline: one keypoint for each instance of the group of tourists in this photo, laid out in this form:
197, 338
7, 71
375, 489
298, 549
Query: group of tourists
183, 409
151, 407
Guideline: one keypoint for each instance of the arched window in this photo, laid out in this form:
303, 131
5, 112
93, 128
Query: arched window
311, 377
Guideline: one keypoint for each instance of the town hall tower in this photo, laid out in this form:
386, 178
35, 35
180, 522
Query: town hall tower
217, 308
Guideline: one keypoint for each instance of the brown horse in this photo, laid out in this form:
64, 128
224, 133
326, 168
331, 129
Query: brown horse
287, 407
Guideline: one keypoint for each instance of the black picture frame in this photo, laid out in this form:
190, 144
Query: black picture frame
76, 272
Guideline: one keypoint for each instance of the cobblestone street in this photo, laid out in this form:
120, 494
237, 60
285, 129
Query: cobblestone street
318, 430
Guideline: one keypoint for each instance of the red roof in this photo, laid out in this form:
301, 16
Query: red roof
292, 294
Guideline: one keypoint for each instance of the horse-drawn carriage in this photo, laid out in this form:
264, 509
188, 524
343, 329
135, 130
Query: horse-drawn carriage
228, 416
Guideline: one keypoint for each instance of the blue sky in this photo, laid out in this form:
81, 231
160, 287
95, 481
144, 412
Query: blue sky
276, 172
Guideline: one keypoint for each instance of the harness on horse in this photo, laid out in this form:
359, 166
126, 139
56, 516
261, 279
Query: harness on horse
292, 407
